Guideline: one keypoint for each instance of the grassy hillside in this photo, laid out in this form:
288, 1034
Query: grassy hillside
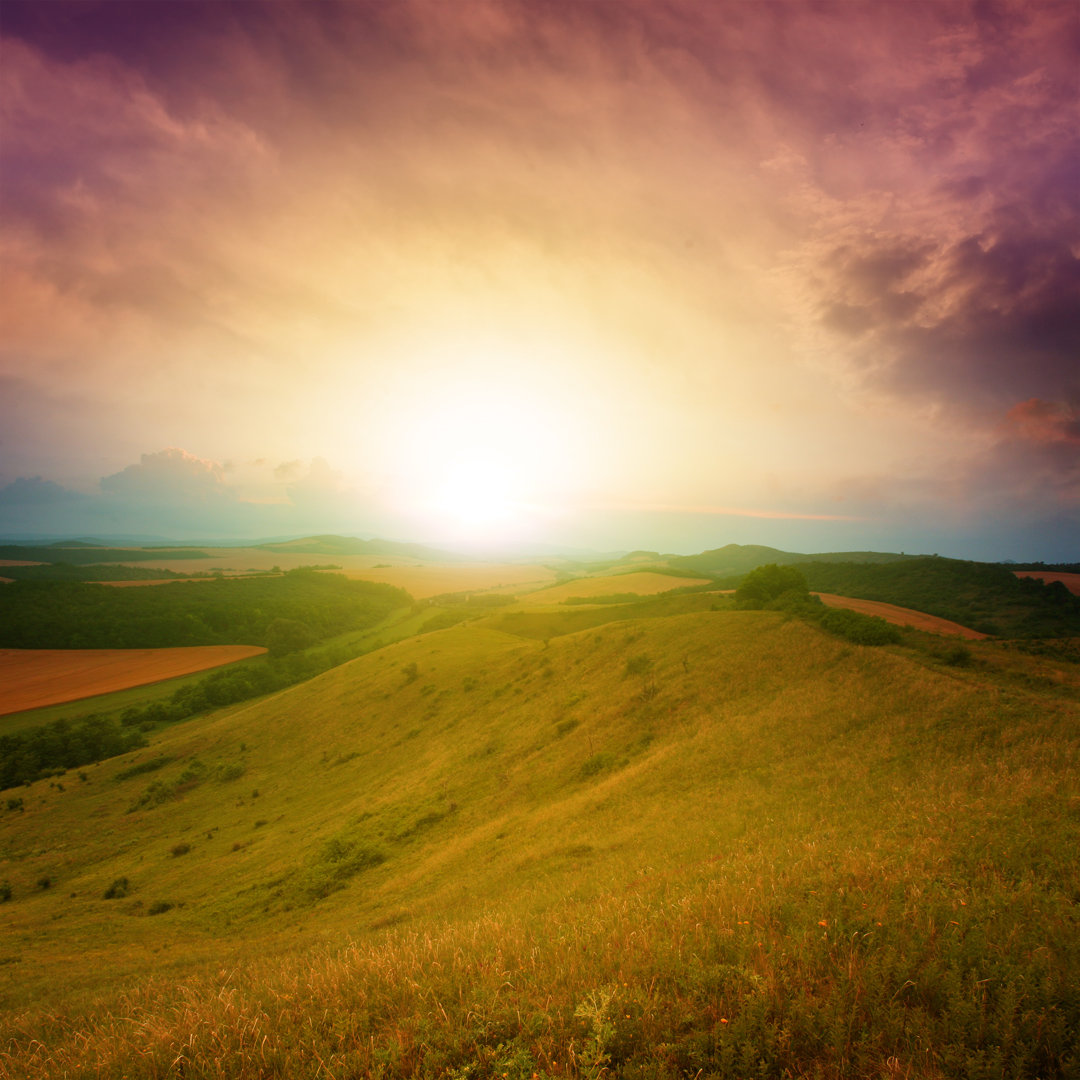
709, 841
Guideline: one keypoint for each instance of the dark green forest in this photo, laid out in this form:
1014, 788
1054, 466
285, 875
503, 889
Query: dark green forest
217, 611
984, 596
289, 614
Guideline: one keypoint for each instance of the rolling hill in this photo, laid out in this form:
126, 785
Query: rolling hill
705, 840
734, 559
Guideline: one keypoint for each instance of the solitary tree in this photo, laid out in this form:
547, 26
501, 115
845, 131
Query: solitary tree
768, 582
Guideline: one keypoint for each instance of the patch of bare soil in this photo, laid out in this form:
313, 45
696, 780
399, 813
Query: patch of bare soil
31, 678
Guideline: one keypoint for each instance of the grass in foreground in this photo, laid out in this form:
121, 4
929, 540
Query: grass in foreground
716, 843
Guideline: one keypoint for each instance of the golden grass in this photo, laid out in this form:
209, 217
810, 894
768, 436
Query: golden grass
435, 580
711, 818
644, 583
33, 678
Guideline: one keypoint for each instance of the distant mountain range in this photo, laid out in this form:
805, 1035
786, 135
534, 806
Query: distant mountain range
733, 559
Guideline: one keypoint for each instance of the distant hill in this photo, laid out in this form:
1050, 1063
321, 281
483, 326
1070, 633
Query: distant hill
735, 559
81, 554
349, 545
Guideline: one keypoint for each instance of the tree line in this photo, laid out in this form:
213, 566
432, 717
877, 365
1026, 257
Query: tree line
217, 611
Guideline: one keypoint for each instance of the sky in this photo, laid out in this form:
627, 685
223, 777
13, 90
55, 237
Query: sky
638, 274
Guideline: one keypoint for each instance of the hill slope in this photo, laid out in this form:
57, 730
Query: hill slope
733, 559
717, 840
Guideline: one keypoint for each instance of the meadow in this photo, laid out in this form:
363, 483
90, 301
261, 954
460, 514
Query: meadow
665, 838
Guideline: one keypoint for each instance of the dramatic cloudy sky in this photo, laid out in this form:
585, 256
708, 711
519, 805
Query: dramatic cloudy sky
616, 273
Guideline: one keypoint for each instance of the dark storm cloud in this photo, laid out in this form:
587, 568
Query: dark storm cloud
985, 322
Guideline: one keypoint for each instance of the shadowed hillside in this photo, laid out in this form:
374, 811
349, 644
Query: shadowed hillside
715, 840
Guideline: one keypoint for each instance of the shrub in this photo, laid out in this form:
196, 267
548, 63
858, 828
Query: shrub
858, 628
5, 891
638, 665
44, 882
117, 889
143, 767
957, 656
180, 849
596, 764
15, 804
159, 907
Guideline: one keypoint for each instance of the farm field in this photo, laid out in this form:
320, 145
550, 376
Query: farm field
427, 581
422, 580
33, 678
901, 616
643, 583
1070, 581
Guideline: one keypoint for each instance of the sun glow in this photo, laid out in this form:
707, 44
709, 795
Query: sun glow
484, 441
476, 491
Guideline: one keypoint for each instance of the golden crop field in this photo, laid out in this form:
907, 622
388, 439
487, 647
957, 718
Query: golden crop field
425, 581
32, 678
644, 583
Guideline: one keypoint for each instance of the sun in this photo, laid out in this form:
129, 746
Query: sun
485, 436
476, 491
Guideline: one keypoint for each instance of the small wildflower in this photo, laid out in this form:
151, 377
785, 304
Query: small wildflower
823, 922
723, 1019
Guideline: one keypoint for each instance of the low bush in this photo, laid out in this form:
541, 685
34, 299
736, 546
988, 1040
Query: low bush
858, 628
119, 888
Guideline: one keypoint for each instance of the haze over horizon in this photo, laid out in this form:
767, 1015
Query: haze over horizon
658, 275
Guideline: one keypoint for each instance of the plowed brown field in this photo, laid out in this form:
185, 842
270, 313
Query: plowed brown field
1070, 581
902, 616
31, 678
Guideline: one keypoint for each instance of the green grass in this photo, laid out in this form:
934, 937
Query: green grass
794, 856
